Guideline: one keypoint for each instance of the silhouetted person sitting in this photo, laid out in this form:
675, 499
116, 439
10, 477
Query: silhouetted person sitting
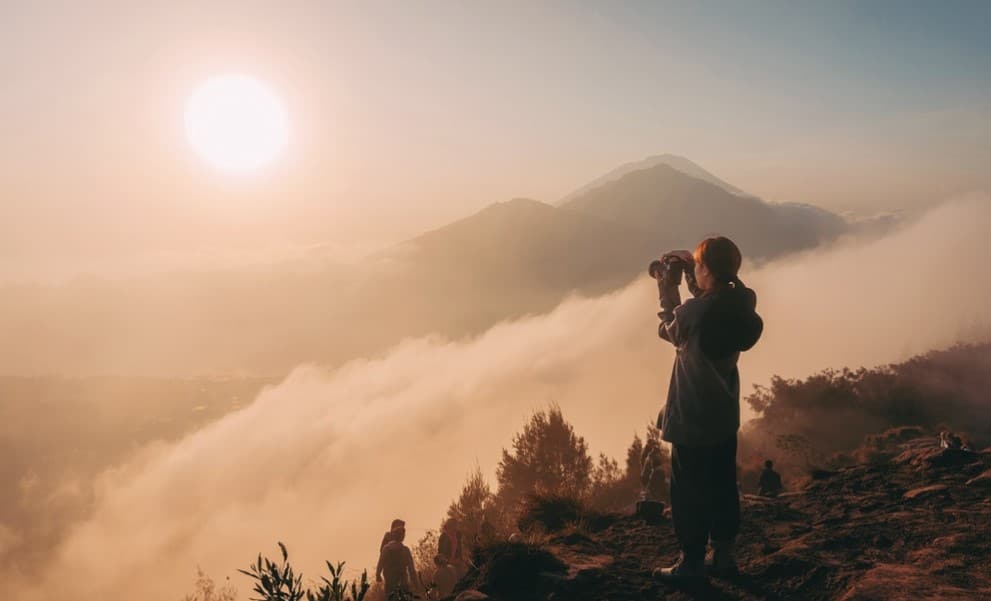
770, 481
396, 564
396, 523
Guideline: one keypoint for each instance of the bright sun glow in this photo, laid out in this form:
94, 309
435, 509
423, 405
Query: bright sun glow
236, 123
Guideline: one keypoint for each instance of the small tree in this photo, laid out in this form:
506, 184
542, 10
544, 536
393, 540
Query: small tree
606, 472
633, 454
473, 507
547, 458
423, 556
609, 490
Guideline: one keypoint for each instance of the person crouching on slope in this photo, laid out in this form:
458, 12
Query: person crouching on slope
702, 414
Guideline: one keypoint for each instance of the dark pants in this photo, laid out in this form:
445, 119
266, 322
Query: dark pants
705, 502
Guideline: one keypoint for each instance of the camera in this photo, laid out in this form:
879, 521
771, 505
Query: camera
668, 269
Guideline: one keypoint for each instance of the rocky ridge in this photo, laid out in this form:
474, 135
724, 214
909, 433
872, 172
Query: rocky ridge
916, 526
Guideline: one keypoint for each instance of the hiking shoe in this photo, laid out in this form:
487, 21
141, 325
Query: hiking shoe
684, 570
721, 559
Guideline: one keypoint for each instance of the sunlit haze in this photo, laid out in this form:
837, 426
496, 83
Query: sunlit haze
235, 123
288, 271
407, 116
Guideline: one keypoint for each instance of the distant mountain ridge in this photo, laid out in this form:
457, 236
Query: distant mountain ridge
553, 245
510, 259
679, 209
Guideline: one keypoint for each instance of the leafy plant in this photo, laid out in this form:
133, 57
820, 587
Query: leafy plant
423, 556
337, 589
277, 581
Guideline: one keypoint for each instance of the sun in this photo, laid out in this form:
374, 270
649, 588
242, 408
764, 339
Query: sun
236, 123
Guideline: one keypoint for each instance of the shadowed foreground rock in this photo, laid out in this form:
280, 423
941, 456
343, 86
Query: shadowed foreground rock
915, 527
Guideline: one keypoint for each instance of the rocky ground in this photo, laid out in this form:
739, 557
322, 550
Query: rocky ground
917, 526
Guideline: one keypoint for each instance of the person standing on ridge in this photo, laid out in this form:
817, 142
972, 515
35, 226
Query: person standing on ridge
702, 414
396, 565
396, 523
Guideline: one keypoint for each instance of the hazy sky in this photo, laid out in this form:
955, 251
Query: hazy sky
404, 117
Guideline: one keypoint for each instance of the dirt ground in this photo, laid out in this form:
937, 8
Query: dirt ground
915, 527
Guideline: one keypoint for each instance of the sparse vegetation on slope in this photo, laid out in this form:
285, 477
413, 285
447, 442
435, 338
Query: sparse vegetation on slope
838, 417
876, 507
915, 527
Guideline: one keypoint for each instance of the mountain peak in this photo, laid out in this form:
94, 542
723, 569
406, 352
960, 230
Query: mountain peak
517, 204
680, 209
674, 161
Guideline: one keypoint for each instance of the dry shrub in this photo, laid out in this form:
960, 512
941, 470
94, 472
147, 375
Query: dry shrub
513, 570
549, 513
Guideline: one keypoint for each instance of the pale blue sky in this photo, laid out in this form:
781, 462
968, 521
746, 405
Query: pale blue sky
405, 116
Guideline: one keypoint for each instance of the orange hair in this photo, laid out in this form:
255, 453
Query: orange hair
721, 256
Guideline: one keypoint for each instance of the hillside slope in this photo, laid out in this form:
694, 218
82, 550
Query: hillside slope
915, 527
528, 243
512, 258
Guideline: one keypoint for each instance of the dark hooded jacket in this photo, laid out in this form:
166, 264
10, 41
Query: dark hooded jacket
708, 333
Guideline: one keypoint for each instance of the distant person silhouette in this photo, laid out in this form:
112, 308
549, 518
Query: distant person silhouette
445, 577
949, 440
396, 523
396, 564
450, 546
652, 474
702, 413
770, 481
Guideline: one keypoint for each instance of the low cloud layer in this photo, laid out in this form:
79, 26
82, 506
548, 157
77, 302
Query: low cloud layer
324, 461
